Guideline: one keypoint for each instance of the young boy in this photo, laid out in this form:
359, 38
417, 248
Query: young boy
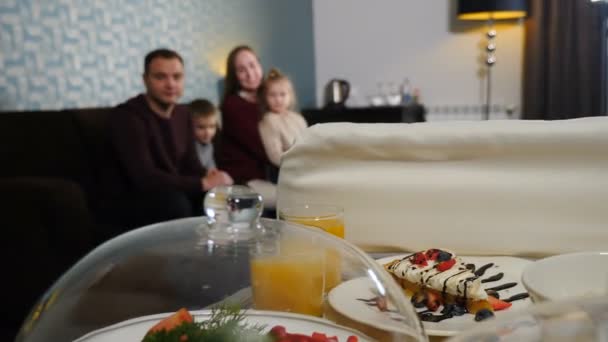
205, 122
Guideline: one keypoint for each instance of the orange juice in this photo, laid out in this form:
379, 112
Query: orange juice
333, 269
292, 283
332, 225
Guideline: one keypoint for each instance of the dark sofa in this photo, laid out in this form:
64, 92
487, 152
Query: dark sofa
53, 182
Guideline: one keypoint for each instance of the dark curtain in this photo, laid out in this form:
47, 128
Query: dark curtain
564, 67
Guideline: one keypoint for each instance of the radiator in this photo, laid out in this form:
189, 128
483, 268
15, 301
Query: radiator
470, 112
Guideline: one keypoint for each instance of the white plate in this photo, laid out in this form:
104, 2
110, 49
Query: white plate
133, 330
343, 298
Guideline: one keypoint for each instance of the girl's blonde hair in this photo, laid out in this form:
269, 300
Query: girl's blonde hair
275, 75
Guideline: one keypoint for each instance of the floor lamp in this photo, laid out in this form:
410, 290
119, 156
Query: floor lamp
491, 10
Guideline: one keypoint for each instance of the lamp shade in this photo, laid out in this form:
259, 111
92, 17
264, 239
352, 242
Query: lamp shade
491, 9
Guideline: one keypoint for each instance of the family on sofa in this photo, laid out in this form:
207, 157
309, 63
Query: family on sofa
82, 176
154, 139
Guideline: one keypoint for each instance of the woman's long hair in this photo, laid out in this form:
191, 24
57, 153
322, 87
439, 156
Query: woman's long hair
231, 82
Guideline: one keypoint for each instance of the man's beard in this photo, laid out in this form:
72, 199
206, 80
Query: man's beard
160, 103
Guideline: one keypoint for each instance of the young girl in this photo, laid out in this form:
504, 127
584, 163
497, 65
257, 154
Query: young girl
280, 125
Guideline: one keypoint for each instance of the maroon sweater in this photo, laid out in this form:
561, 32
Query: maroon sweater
157, 154
240, 151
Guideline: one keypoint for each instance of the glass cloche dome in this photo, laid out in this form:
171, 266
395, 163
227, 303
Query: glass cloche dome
233, 274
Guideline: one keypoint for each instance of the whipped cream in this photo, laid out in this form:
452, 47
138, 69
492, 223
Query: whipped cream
458, 280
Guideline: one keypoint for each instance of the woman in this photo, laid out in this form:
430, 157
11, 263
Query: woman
240, 150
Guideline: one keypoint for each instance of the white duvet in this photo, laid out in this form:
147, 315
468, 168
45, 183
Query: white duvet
493, 187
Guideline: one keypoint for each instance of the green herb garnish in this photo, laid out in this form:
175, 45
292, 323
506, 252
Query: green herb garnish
225, 325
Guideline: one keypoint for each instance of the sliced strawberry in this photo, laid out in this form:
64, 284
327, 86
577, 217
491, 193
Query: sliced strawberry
498, 304
318, 337
433, 300
298, 338
352, 339
278, 331
446, 265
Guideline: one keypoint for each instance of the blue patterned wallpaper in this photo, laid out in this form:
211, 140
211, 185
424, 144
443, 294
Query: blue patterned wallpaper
87, 53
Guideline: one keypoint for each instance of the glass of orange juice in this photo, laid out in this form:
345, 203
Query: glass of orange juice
288, 273
327, 217
292, 282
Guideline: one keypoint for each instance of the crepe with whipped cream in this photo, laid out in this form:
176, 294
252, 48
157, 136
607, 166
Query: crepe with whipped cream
441, 271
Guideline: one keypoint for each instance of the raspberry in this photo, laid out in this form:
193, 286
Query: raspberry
446, 265
419, 259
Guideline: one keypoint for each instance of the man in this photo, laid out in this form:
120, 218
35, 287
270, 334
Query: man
153, 138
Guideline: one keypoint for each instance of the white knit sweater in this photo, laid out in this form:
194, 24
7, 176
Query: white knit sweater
279, 132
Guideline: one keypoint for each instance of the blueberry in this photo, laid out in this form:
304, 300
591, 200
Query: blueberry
459, 310
483, 314
448, 308
444, 256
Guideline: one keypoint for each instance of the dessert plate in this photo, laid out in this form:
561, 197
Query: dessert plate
135, 329
349, 297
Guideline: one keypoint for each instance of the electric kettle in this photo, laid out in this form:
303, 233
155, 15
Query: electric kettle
336, 92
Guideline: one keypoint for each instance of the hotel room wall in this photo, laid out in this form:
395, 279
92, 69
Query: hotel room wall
387, 40
63, 54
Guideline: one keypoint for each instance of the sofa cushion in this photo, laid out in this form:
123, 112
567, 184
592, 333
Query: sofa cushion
92, 124
43, 144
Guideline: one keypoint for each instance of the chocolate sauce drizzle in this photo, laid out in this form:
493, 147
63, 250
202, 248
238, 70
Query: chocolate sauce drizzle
518, 296
445, 283
429, 316
483, 269
493, 278
502, 287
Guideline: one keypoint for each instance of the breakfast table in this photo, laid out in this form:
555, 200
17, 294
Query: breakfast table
138, 278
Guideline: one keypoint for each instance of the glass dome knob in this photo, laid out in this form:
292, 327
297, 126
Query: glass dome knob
244, 208
233, 212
